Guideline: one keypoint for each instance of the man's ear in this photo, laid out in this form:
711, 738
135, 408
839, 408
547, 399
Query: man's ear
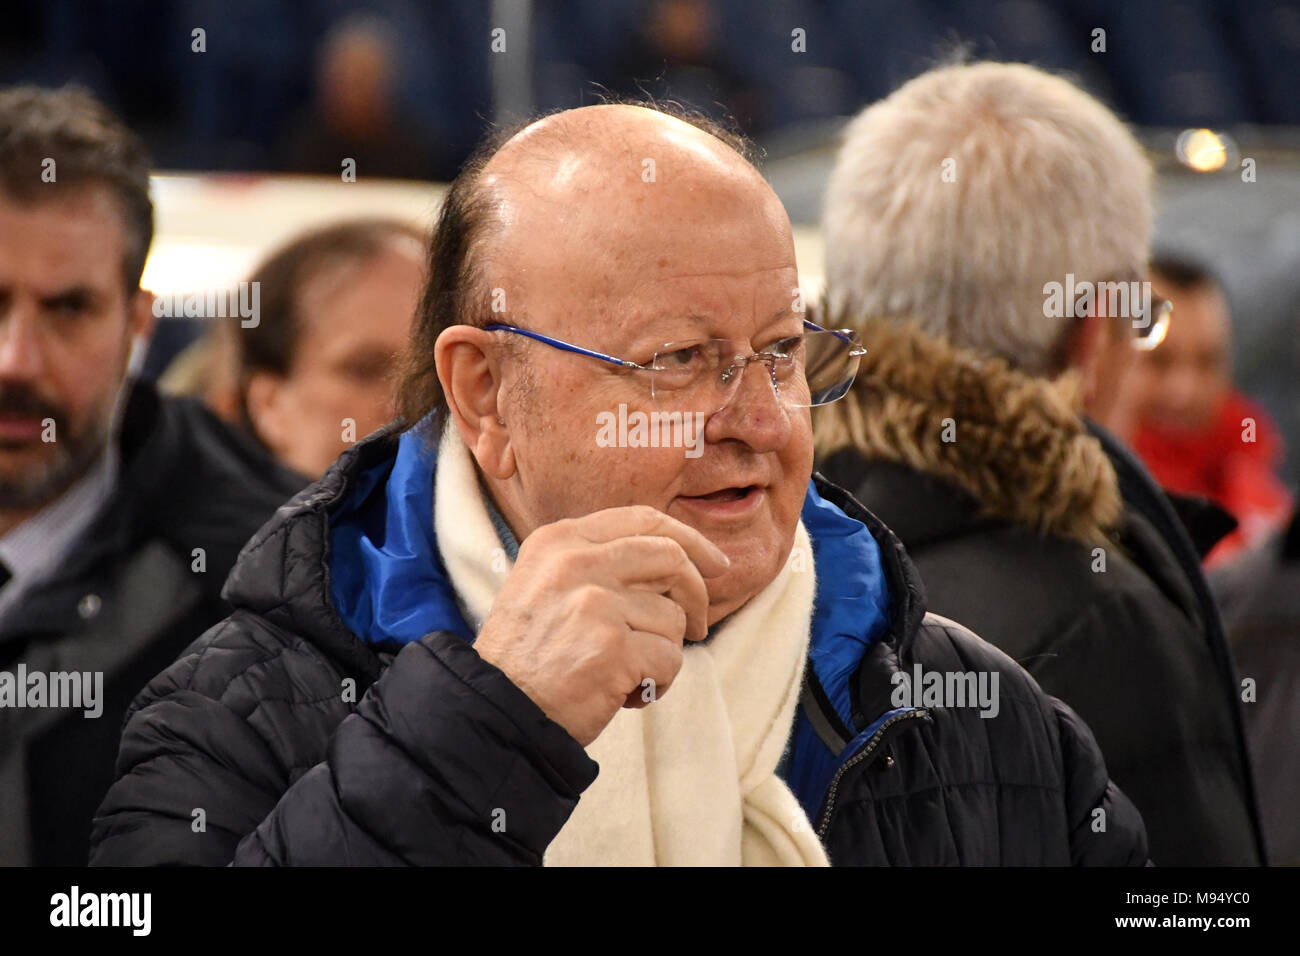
1103, 357
140, 322
1085, 349
142, 318
1115, 357
470, 372
262, 398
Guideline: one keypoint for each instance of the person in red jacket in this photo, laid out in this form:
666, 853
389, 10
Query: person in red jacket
1192, 428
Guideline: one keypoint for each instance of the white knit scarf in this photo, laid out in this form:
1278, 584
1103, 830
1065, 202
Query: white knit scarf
690, 779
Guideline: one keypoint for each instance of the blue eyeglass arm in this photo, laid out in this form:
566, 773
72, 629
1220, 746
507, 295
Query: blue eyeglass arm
565, 346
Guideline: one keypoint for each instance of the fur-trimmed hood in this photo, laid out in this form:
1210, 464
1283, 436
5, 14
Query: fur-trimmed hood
1016, 443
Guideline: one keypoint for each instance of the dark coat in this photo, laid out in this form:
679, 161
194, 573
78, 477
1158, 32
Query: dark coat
1260, 596
1190, 527
1021, 530
129, 598
302, 744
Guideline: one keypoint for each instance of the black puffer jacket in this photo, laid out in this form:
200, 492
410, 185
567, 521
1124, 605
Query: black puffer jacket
250, 749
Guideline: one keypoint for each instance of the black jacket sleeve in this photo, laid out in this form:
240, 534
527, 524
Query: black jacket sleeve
1105, 828
443, 761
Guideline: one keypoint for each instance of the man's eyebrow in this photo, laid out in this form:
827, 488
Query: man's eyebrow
368, 353
645, 334
781, 315
73, 292
697, 319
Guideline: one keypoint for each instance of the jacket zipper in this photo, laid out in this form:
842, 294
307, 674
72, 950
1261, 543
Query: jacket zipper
867, 749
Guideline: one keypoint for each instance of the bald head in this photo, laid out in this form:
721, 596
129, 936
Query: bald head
560, 151
600, 200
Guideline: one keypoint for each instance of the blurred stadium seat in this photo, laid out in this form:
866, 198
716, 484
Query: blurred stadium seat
1270, 30
1174, 64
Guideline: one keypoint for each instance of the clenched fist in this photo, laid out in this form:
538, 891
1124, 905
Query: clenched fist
597, 605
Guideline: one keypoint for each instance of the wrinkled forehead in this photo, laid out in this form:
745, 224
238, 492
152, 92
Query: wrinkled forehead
632, 231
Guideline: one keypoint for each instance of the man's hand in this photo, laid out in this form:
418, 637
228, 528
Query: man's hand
595, 606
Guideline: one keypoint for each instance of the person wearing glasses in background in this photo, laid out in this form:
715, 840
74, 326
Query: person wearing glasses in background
1192, 427
966, 431
494, 634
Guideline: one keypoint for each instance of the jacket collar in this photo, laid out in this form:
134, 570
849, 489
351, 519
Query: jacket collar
873, 686
1014, 444
299, 532
921, 509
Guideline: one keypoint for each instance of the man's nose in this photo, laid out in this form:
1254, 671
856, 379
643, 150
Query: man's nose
754, 413
21, 349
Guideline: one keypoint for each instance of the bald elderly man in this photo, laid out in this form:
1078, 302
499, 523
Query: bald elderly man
589, 605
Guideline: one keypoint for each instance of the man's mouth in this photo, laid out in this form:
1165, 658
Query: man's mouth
731, 502
19, 429
726, 494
